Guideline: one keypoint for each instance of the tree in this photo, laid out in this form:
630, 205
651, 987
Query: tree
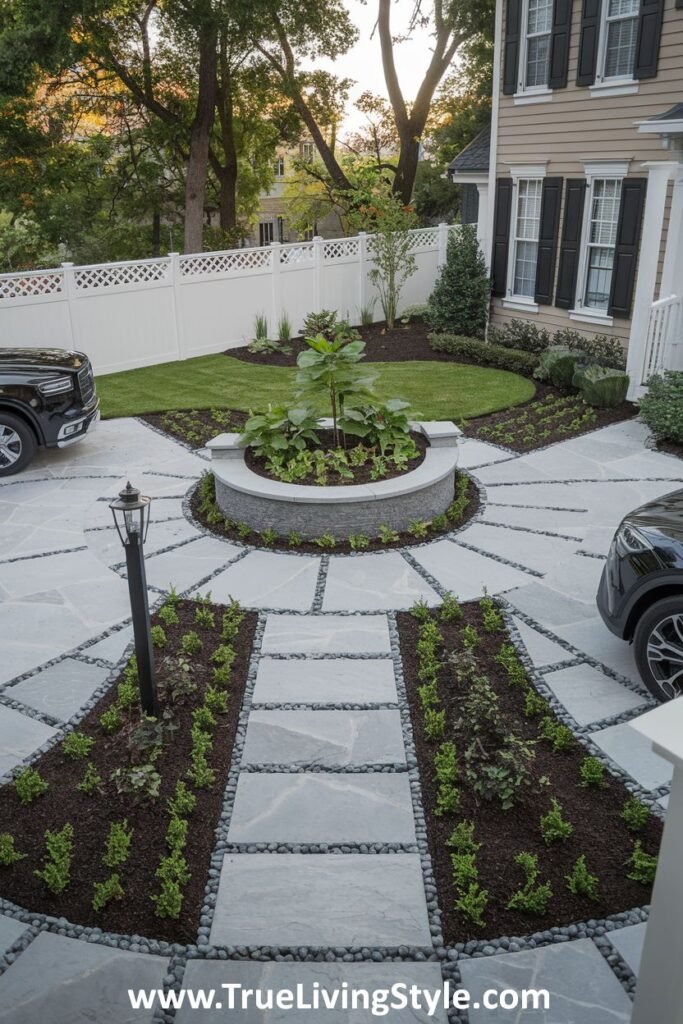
462, 106
459, 303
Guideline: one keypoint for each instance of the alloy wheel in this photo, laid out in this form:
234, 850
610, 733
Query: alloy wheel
10, 446
665, 655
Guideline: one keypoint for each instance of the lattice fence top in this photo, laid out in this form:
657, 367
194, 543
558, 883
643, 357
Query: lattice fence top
225, 262
116, 275
424, 237
29, 285
340, 248
292, 254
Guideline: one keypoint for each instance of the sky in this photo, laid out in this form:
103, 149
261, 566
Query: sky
364, 62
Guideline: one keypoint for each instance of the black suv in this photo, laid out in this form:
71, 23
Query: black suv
47, 398
640, 596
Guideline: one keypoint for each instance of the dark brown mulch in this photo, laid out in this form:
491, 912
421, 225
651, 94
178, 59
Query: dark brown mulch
599, 832
405, 343
670, 448
342, 547
91, 816
197, 426
361, 474
508, 432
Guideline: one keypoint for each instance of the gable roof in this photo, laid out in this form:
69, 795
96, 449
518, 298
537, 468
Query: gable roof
674, 113
474, 158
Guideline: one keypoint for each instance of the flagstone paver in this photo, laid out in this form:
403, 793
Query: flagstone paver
628, 942
325, 681
61, 690
331, 977
63, 980
10, 930
68, 589
582, 988
314, 808
590, 695
321, 900
325, 738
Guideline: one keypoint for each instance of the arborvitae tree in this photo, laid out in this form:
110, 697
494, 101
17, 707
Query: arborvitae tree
459, 303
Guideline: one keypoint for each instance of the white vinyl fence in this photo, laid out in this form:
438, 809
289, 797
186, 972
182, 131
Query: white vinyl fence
125, 315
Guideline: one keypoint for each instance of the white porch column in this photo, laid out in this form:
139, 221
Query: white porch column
659, 173
659, 995
672, 271
483, 233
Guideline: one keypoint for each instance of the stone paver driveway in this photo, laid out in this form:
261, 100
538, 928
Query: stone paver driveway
323, 840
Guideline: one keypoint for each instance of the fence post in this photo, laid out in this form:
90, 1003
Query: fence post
318, 271
659, 994
179, 326
443, 245
362, 272
70, 292
276, 282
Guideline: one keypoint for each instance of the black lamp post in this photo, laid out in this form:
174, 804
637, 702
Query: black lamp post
131, 517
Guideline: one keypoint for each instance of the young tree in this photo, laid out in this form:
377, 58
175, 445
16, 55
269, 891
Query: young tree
460, 300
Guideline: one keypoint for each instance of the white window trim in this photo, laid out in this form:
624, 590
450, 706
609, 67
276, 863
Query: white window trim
530, 93
610, 86
526, 172
614, 169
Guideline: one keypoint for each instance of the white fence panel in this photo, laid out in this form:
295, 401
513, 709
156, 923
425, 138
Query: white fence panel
139, 313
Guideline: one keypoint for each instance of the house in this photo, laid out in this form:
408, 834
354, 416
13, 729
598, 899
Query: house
585, 173
273, 222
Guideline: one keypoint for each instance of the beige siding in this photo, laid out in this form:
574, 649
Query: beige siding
576, 127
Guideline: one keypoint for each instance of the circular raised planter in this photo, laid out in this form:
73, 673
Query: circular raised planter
245, 496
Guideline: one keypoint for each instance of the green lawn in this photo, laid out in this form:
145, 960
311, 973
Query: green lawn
436, 390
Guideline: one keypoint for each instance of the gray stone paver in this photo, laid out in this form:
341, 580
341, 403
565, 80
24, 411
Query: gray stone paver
634, 753
326, 634
534, 550
330, 977
321, 900
330, 808
324, 738
540, 648
581, 986
60, 690
112, 647
371, 582
188, 565
466, 572
628, 942
268, 580
590, 695
325, 681
19, 737
63, 981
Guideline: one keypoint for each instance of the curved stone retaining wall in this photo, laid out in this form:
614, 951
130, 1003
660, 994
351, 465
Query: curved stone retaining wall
244, 496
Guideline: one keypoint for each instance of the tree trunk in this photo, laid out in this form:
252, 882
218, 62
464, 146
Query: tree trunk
227, 173
200, 136
156, 233
406, 169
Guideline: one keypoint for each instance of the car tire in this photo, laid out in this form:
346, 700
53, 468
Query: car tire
659, 633
17, 444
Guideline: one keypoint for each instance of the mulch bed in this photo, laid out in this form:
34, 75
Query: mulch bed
599, 832
361, 474
91, 816
520, 430
403, 344
342, 547
196, 427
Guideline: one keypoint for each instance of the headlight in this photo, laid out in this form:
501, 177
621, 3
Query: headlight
630, 541
56, 386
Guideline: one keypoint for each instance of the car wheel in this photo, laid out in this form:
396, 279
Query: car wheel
658, 645
17, 444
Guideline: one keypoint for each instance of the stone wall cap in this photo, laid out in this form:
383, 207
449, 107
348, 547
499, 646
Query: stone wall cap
438, 428
663, 726
224, 441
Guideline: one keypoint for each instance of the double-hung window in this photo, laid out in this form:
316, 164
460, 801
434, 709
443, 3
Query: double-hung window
537, 26
601, 237
525, 230
618, 36
279, 167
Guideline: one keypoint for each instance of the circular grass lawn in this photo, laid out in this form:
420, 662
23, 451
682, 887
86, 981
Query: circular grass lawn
435, 390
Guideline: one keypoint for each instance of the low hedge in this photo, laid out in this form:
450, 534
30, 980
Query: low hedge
487, 355
662, 407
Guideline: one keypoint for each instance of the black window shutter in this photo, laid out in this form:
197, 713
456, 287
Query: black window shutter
649, 35
559, 46
571, 242
513, 21
588, 42
547, 240
501, 235
626, 250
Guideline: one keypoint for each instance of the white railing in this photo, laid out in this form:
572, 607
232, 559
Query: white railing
141, 312
663, 343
